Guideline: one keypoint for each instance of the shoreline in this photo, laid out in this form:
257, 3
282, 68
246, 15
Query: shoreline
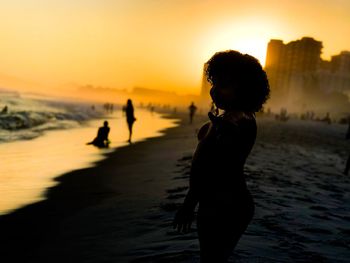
29, 167
31, 228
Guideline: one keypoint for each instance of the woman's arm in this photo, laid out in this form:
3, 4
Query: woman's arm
185, 215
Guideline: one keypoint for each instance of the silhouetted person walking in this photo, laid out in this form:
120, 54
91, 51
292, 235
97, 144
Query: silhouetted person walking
101, 139
192, 109
240, 88
327, 118
130, 118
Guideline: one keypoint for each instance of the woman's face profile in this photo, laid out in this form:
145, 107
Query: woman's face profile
223, 93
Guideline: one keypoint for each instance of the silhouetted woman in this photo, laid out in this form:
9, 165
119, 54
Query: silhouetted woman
130, 118
240, 88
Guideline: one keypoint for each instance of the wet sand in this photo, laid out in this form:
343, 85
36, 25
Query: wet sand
28, 166
121, 210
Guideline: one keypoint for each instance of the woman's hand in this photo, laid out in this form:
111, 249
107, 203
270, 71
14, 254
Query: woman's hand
183, 220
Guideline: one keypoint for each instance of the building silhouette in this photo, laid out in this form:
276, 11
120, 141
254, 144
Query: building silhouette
334, 75
291, 68
295, 70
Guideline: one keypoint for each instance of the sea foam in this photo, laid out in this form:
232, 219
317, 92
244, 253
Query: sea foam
28, 118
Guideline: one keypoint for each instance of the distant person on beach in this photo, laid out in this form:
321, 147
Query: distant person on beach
151, 108
283, 116
217, 182
192, 109
4, 110
130, 118
327, 118
101, 139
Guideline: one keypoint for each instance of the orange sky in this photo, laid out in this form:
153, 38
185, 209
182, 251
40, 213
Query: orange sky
152, 43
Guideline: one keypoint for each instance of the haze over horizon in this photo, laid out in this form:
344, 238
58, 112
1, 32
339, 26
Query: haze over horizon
155, 44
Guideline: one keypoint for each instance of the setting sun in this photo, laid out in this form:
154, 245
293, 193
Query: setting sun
253, 46
244, 34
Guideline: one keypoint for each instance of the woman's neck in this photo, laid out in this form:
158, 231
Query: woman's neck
235, 115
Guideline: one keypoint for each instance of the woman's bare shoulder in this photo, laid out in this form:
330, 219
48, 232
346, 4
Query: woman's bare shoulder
203, 131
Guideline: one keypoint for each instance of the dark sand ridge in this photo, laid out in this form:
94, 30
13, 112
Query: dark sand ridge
121, 210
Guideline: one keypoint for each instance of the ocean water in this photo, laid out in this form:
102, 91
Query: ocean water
29, 117
40, 140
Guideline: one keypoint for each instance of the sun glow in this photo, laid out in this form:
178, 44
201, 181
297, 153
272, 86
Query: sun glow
253, 46
248, 36
123, 44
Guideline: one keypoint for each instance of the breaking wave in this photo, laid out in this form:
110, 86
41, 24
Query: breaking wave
27, 118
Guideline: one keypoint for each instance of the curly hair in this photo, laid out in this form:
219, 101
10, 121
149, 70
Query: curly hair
247, 76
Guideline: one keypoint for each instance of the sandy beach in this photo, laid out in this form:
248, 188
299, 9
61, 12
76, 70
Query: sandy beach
121, 209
